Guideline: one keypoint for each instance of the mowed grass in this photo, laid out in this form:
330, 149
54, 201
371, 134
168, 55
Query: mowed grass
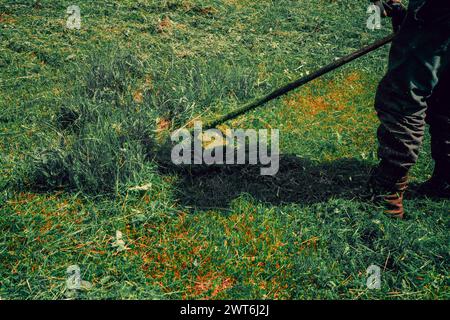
83, 107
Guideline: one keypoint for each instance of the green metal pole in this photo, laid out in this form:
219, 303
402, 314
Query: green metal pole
299, 82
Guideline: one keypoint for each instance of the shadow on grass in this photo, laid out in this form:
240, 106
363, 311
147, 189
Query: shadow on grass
299, 180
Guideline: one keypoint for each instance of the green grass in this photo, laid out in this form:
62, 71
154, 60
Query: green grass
80, 111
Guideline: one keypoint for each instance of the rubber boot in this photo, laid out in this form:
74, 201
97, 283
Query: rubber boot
387, 191
438, 186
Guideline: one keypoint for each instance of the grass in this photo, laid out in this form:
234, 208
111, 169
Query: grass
82, 112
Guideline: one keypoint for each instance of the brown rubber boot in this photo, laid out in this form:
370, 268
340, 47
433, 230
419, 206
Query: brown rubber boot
388, 192
438, 186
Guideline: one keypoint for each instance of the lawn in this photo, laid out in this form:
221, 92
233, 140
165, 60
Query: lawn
83, 118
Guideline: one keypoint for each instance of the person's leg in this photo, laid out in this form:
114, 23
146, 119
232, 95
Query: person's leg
418, 57
438, 117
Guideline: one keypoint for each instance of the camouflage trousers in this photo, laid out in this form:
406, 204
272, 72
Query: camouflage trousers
415, 91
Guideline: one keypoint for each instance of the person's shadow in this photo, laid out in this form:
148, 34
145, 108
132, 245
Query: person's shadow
298, 180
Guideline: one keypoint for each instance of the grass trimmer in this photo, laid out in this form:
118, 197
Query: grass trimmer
299, 82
